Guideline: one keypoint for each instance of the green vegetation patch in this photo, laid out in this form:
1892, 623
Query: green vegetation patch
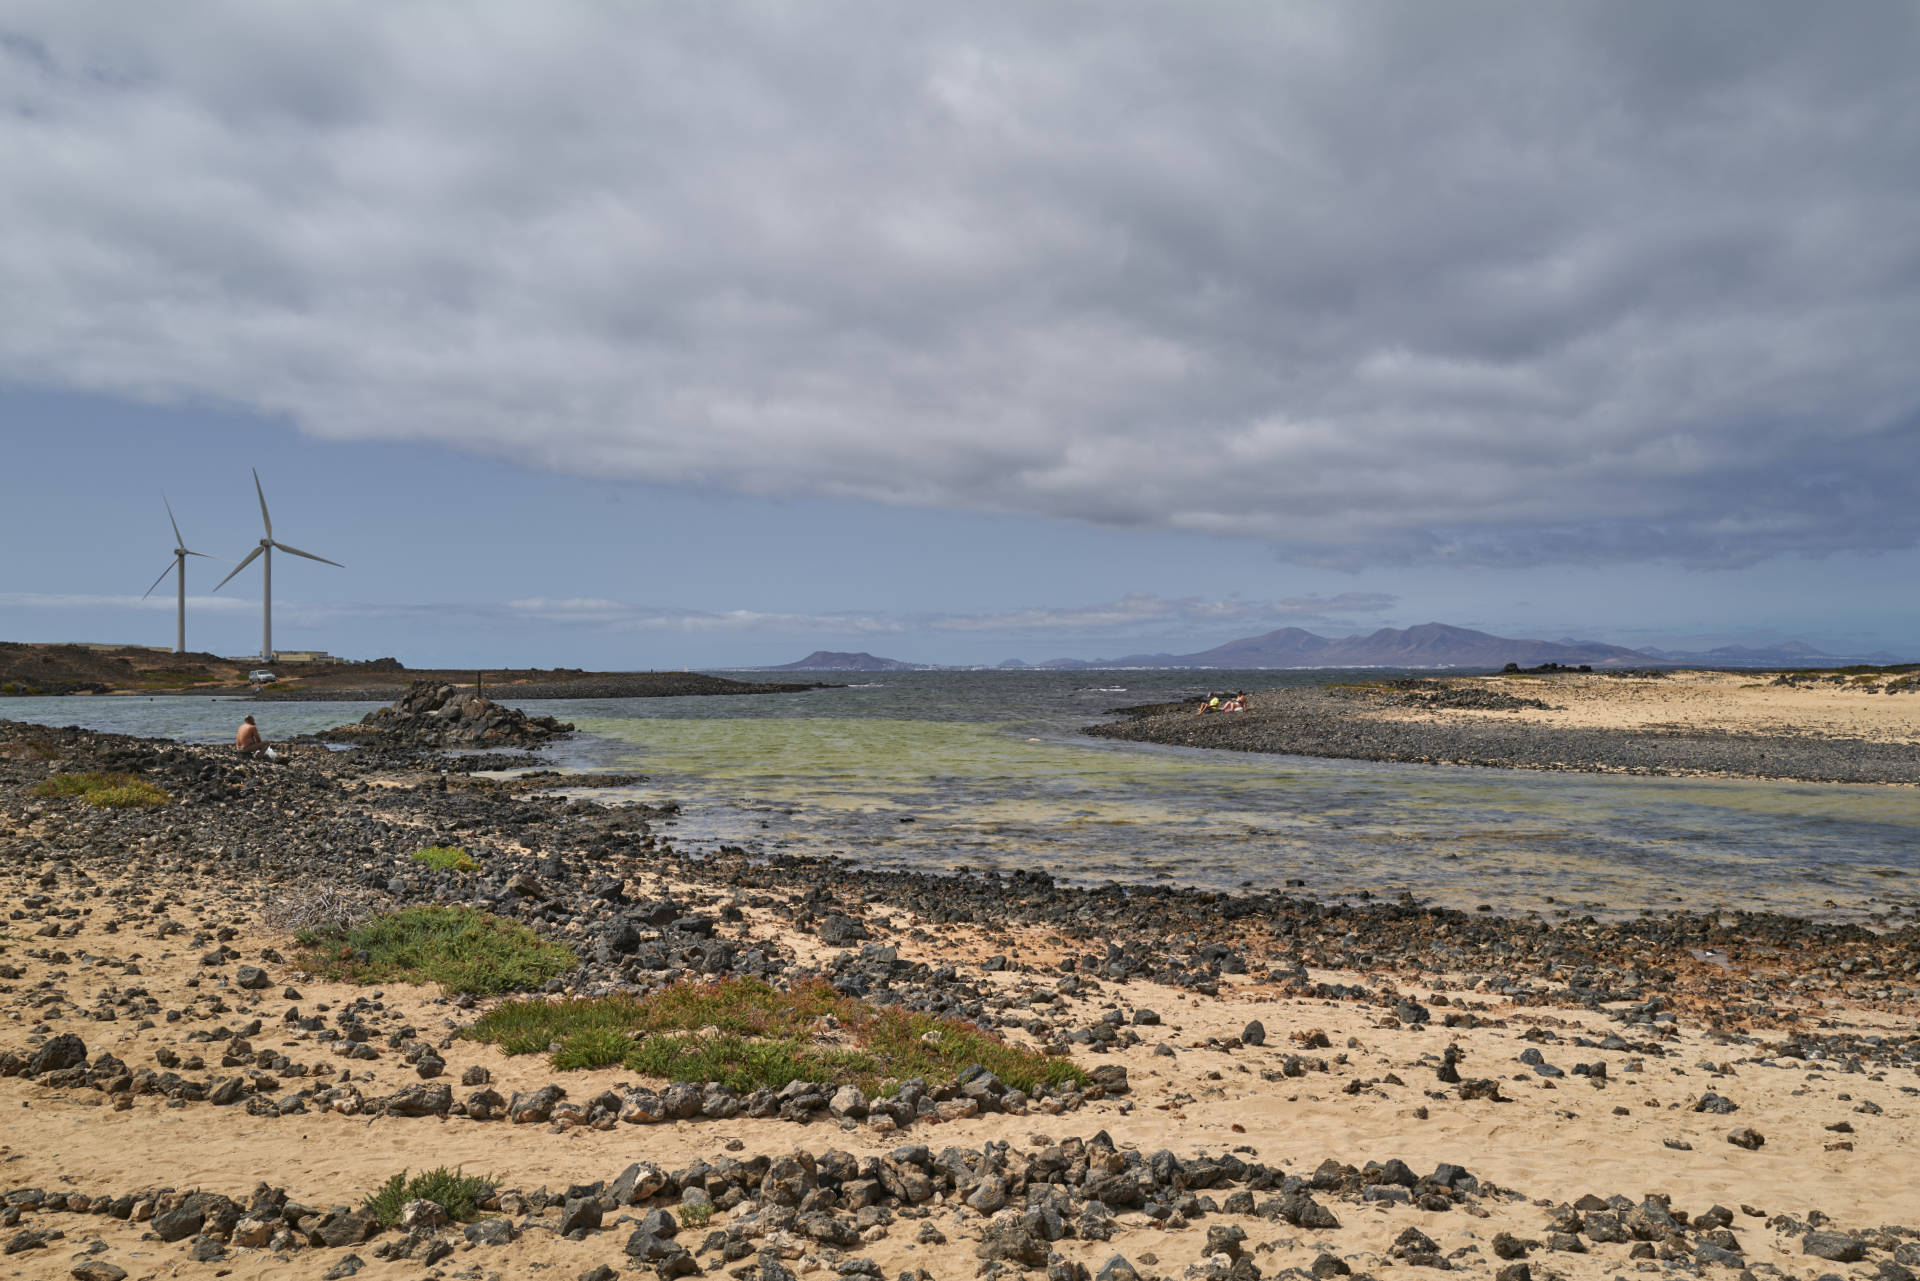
105, 791
456, 947
446, 858
458, 1194
745, 1034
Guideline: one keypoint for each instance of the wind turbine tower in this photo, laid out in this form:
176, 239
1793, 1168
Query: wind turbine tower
265, 548
179, 567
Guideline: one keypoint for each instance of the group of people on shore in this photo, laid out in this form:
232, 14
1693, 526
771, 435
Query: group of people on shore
1215, 703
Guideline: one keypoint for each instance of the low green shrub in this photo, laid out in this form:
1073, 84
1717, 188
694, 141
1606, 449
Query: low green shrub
446, 858
747, 1063
594, 1048
105, 791
746, 1034
458, 1194
528, 1027
461, 949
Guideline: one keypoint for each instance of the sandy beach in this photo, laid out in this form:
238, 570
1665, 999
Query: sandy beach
1598, 1072
1868, 708
1807, 727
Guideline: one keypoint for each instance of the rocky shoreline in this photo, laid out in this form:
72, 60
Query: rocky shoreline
1369, 722
1274, 1085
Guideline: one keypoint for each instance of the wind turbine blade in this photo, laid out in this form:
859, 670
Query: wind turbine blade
177, 540
264, 518
157, 581
202, 555
309, 555
237, 568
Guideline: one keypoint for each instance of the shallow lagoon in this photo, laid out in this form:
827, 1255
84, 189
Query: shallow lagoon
987, 770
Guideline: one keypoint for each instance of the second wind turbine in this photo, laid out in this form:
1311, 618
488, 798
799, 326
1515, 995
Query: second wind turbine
265, 548
179, 566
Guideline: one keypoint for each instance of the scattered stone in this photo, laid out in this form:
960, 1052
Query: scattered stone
98, 1270
1838, 1247
492, 1232
60, 1052
580, 1215
838, 931
31, 1239
178, 1225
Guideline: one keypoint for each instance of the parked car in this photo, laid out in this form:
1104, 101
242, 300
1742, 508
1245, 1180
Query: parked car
261, 676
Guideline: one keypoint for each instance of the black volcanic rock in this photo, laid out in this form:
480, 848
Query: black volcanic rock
432, 714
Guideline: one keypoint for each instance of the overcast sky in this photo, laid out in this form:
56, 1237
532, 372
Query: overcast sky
706, 334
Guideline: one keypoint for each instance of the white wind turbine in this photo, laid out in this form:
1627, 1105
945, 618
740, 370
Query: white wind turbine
179, 566
265, 548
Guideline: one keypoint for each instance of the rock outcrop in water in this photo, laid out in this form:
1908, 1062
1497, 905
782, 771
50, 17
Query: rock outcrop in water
432, 714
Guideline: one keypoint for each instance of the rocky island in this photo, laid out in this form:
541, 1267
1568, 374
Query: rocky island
434, 714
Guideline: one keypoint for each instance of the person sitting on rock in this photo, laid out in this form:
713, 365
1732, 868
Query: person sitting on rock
247, 740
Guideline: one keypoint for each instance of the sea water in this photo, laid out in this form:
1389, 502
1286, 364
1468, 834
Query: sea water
950, 770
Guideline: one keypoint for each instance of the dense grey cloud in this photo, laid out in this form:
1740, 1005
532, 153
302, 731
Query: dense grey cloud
1479, 284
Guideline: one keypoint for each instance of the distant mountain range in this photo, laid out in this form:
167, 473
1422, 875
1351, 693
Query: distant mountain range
1428, 645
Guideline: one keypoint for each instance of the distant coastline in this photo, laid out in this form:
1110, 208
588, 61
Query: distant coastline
43, 670
1430, 646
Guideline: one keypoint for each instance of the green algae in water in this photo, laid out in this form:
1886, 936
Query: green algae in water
989, 795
